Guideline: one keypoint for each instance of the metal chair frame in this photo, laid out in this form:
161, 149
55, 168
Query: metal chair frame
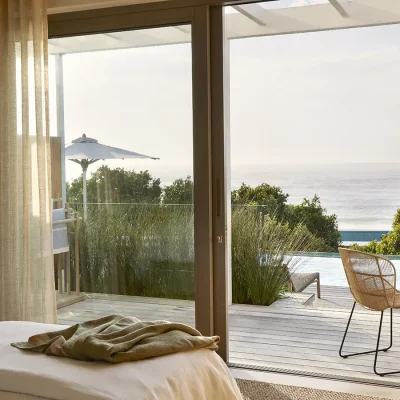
377, 349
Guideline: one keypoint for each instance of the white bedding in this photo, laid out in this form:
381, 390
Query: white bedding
194, 375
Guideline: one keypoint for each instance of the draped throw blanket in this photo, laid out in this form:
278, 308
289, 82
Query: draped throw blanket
118, 339
26, 260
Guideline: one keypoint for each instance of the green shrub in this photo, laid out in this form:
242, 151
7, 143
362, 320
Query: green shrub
138, 250
390, 243
264, 254
371, 247
310, 212
148, 250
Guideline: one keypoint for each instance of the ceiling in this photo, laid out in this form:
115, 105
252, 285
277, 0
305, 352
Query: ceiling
257, 19
65, 6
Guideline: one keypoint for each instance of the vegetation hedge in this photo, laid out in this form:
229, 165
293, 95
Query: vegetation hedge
148, 250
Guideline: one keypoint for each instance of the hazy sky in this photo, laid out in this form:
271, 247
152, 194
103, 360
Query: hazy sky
326, 97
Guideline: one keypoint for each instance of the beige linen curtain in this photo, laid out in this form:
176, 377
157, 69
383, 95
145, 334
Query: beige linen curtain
26, 260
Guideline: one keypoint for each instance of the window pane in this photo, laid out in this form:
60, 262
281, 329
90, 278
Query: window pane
127, 103
314, 166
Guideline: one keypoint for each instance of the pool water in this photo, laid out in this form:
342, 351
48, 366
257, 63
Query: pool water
330, 269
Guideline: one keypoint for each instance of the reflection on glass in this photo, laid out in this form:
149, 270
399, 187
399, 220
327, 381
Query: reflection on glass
124, 95
307, 177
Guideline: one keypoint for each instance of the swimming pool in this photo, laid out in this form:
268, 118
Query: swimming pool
330, 268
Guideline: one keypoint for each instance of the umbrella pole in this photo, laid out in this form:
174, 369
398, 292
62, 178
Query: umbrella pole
84, 170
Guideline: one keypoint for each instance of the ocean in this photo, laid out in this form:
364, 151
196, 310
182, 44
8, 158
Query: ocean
363, 196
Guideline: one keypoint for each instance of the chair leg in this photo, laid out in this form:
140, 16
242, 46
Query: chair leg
318, 288
377, 347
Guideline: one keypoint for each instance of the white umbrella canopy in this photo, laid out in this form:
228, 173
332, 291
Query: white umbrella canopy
85, 151
85, 148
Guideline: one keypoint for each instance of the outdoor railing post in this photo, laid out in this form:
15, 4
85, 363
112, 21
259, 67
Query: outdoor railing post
68, 256
77, 271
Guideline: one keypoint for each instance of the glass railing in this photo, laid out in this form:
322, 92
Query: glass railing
147, 250
137, 249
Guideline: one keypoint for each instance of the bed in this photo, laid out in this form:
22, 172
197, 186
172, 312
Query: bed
196, 375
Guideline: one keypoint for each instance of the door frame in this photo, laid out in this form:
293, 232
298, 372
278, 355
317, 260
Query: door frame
209, 147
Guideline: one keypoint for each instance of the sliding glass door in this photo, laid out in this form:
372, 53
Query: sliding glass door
176, 237
313, 168
132, 158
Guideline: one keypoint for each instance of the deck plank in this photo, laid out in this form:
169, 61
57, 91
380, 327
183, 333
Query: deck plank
286, 335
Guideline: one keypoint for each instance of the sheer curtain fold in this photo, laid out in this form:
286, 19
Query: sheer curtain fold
26, 259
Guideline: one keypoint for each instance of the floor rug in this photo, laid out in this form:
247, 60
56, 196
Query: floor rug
255, 390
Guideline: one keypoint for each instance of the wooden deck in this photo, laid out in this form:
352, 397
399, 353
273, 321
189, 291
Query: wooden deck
287, 335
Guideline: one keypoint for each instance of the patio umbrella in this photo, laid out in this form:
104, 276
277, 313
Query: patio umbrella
85, 151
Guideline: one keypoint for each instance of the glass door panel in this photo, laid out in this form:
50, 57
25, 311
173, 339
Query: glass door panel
121, 114
314, 166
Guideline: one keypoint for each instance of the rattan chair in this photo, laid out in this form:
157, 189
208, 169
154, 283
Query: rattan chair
372, 282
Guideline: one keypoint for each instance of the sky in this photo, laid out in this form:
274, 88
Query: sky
316, 98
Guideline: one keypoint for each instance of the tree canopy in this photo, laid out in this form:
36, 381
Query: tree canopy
309, 212
179, 192
117, 185
262, 195
317, 221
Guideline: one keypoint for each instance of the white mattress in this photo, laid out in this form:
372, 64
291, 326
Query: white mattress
194, 375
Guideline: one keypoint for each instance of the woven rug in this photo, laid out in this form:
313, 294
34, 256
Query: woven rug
254, 390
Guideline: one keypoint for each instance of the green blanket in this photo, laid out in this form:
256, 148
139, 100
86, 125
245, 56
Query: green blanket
117, 339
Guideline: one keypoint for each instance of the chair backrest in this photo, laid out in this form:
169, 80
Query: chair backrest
372, 279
